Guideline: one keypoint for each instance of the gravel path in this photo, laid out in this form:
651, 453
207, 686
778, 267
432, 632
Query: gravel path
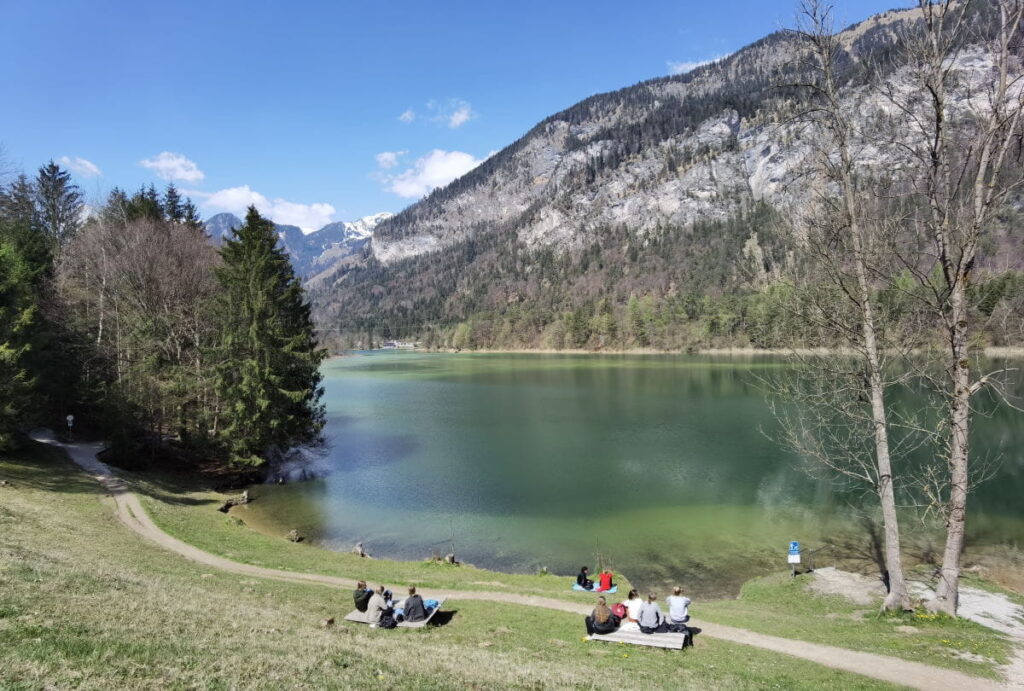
882, 667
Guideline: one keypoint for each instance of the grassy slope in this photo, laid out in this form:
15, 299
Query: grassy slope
85, 603
775, 605
784, 606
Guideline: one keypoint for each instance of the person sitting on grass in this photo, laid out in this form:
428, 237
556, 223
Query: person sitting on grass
604, 581
413, 608
678, 610
651, 618
361, 595
583, 579
377, 607
601, 620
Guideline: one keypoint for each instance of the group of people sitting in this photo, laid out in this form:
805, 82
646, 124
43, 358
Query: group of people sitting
604, 580
637, 615
384, 611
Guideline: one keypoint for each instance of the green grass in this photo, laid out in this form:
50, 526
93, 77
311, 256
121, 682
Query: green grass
784, 606
191, 516
85, 603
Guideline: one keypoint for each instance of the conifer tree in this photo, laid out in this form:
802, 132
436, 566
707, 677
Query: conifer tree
190, 216
173, 208
17, 201
268, 375
58, 203
17, 311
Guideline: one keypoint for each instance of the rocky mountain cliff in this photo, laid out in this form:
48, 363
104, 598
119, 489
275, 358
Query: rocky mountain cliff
668, 191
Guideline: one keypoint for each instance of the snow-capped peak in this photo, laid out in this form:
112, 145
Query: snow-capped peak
363, 228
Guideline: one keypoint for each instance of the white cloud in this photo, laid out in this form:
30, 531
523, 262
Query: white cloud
461, 115
82, 166
408, 116
237, 200
455, 113
690, 65
436, 169
170, 166
389, 159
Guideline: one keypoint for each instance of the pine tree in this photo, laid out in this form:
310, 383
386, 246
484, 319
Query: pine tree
268, 376
173, 208
17, 201
117, 208
190, 216
17, 311
58, 203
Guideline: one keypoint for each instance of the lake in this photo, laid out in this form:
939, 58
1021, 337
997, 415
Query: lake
661, 467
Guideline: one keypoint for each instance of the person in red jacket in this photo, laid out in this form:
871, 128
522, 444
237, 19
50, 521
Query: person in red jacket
604, 581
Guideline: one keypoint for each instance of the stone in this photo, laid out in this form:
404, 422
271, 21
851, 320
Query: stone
294, 536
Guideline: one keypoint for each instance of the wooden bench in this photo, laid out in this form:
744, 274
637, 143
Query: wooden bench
674, 641
360, 618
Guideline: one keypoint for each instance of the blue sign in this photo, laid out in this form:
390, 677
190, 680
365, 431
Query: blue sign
794, 547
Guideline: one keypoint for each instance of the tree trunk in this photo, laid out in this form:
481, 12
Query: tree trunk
947, 593
897, 599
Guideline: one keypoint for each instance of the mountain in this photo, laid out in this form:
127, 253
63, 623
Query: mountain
649, 216
221, 225
311, 252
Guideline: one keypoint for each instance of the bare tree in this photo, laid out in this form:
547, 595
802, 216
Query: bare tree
962, 118
835, 412
140, 293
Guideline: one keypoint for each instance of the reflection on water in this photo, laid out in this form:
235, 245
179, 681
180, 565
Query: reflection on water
659, 464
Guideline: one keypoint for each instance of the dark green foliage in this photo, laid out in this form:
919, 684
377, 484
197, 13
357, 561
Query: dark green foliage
17, 315
173, 208
58, 203
18, 201
268, 377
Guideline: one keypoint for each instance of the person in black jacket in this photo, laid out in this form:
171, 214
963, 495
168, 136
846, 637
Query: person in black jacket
361, 596
583, 580
414, 610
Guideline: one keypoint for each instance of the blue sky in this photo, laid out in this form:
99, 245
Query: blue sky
321, 111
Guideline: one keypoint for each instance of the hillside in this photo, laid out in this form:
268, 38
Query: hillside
653, 216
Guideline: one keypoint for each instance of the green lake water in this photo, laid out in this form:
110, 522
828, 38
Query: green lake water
661, 466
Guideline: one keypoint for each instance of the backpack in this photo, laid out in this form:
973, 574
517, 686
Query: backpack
387, 622
619, 610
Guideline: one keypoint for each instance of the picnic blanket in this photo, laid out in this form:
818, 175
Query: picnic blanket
577, 586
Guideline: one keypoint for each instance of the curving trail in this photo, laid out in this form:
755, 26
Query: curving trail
882, 667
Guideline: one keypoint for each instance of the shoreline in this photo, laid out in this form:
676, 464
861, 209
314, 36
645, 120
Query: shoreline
988, 352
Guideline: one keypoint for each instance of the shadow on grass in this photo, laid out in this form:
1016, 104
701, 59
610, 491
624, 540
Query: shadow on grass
442, 618
45, 469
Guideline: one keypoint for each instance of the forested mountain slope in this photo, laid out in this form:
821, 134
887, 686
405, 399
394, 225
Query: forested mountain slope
653, 216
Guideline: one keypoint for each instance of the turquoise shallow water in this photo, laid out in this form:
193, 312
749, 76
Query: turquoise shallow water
661, 466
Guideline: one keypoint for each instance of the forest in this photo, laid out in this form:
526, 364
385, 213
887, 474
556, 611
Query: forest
129, 318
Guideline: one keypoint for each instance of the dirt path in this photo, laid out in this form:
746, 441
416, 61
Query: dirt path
882, 667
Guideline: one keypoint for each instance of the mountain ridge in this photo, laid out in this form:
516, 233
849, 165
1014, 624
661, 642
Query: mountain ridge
654, 214
309, 252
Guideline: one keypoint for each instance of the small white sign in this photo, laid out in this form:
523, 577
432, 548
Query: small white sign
794, 559
71, 420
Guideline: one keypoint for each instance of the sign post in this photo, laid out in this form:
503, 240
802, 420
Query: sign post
71, 424
794, 555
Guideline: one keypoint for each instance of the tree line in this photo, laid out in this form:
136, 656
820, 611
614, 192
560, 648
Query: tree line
130, 318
